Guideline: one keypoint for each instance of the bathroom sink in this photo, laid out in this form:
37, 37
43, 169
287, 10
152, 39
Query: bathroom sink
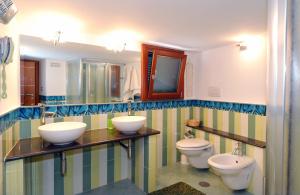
128, 124
235, 171
61, 133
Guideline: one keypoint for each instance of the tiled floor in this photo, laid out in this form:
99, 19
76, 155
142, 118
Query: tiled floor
173, 174
124, 187
167, 176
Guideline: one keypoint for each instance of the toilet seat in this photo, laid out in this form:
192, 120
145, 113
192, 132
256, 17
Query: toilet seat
194, 149
194, 143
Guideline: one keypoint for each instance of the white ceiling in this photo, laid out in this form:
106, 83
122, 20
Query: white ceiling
194, 24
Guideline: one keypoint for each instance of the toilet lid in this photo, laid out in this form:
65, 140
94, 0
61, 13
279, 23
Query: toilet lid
192, 143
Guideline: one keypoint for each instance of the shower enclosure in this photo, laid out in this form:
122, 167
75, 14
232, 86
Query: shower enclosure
94, 82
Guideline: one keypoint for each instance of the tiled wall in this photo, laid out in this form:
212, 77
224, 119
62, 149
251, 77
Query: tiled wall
88, 168
248, 125
92, 167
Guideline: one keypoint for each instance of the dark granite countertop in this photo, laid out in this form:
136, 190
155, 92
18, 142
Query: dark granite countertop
246, 140
37, 146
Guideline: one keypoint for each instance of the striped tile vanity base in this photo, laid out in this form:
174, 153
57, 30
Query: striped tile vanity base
99, 165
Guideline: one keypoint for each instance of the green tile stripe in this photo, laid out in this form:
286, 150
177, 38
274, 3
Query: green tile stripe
68, 178
25, 129
149, 119
244, 149
37, 175
202, 114
222, 145
206, 136
110, 163
165, 135
133, 156
251, 126
87, 121
215, 119
33, 174
146, 163
16, 130
231, 122
191, 112
58, 179
178, 131
28, 173
86, 169
117, 162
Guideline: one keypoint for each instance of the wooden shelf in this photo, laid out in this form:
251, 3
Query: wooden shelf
36, 146
232, 136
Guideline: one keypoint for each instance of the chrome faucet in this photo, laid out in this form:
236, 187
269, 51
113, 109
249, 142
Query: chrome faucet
129, 106
45, 114
238, 149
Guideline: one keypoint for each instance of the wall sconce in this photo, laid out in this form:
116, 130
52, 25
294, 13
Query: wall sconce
242, 46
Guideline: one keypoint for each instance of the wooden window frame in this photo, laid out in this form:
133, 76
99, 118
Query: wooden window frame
147, 92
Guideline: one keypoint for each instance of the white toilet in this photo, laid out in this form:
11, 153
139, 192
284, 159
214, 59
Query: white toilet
196, 150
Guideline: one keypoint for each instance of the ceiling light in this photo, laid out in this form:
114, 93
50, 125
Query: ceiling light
120, 40
53, 26
56, 39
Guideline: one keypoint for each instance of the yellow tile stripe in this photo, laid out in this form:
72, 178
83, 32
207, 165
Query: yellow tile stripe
260, 127
152, 163
170, 140
95, 166
68, 178
220, 119
237, 123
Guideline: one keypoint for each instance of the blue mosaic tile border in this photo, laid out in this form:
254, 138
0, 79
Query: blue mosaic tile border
52, 98
9, 119
255, 109
25, 113
91, 109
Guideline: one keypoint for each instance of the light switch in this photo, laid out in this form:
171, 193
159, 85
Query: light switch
214, 91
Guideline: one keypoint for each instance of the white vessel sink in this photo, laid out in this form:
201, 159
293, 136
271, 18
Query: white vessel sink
235, 171
128, 124
61, 133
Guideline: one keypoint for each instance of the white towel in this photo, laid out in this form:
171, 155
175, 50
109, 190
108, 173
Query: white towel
127, 79
132, 84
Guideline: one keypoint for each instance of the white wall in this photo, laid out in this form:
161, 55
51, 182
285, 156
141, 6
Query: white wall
12, 69
53, 78
231, 74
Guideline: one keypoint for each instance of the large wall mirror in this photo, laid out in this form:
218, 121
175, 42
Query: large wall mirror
74, 73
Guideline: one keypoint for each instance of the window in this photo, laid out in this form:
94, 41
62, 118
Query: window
162, 73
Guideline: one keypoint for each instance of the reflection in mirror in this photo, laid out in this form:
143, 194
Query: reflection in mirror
90, 82
74, 73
